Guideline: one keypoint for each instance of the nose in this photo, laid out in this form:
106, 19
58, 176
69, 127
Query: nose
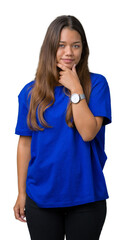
68, 51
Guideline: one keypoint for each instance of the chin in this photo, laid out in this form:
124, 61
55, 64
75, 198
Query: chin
68, 66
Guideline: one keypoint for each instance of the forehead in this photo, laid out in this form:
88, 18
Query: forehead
69, 35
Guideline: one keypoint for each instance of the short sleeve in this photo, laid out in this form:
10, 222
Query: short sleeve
21, 126
100, 101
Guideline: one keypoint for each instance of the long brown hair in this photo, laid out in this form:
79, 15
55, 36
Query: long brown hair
46, 78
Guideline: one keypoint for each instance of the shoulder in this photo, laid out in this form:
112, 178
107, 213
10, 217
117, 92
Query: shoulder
24, 93
98, 80
26, 89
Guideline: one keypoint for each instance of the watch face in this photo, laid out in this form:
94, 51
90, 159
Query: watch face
75, 98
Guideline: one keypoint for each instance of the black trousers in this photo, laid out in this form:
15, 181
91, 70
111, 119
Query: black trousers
81, 222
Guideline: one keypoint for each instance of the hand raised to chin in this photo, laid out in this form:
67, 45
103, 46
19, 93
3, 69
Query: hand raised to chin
68, 77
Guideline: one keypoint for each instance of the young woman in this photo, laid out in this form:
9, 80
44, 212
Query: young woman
60, 156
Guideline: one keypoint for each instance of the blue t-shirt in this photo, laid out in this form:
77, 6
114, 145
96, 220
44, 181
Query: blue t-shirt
64, 170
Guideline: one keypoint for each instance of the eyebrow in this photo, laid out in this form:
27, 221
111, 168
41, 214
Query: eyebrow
73, 42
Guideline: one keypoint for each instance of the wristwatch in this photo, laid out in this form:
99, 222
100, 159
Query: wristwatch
75, 97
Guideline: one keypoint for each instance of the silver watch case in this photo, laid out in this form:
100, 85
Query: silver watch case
75, 97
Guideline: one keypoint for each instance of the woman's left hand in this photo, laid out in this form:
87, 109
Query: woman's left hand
68, 77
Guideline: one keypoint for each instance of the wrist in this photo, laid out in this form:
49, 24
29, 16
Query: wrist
22, 191
78, 89
22, 194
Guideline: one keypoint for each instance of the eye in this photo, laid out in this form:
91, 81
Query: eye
76, 46
61, 45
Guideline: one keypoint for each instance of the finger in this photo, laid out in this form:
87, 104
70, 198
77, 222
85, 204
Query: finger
61, 73
74, 68
22, 212
62, 66
17, 213
22, 219
19, 216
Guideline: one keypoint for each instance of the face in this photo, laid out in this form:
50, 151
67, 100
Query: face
70, 48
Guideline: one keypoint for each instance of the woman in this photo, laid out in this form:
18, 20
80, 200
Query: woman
60, 156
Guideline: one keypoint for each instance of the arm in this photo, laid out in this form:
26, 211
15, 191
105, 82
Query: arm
23, 158
85, 122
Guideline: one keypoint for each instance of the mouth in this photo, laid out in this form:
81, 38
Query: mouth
67, 60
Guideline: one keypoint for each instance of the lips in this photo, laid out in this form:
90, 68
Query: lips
67, 60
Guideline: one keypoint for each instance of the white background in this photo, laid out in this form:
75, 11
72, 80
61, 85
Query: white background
23, 27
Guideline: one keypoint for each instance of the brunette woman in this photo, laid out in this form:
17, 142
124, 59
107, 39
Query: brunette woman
60, 156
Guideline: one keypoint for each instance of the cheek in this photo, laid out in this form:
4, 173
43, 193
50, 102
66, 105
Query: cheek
79, 56
59, 54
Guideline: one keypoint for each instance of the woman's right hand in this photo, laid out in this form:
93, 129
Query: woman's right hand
19, 207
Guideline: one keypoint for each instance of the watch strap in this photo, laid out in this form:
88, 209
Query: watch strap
82, 96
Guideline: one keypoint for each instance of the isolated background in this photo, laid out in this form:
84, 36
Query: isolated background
23, 25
